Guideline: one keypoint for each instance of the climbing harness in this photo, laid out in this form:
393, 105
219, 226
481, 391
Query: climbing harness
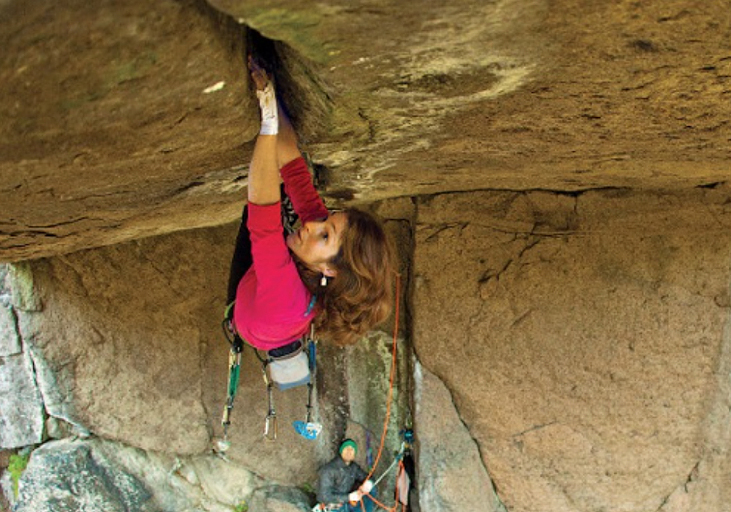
290, 366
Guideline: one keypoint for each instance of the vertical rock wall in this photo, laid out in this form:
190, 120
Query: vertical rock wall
119, 335
575, 348
585, 341
21, 408
452, 474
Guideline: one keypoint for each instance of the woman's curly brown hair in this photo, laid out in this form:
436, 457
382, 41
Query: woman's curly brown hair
360, 296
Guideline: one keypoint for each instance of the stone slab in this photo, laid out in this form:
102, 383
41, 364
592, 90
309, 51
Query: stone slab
451, 474
65, 476
582, 338
9, 339
140, 138
21, 408
95, 475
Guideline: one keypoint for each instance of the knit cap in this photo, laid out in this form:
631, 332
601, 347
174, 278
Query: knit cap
346, 443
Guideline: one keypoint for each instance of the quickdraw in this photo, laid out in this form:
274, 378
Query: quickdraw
309, 429
270, 422
234, 370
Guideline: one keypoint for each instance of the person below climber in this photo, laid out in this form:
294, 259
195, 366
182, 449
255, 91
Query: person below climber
343, 483
334, 271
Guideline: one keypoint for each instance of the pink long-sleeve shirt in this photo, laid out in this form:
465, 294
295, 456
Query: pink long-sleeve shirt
272, 303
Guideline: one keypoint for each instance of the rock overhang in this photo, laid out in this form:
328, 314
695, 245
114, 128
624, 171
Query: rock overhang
125, 122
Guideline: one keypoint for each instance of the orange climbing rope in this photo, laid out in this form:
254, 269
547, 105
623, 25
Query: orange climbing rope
388, 408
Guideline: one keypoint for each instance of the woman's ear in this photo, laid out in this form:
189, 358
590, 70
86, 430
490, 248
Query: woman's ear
328, 271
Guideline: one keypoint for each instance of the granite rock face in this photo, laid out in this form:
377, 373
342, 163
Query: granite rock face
9, 340
22, 415
575, 347
126, 120
585, 341
21, 408
452, 475
99, 476
568, 164
67, 476
119, 339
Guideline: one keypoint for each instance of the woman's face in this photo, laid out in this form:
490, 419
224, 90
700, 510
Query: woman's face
317, 242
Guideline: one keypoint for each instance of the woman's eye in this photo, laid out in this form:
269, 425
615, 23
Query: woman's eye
325, 235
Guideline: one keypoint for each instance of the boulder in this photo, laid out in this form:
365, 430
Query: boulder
66, 476
100, 476
21, 408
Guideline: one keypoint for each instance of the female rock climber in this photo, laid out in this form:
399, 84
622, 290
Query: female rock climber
334, 271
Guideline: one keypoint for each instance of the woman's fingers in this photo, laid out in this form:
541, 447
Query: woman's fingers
258, 75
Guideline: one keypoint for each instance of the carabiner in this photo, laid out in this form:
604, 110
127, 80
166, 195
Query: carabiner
270, 427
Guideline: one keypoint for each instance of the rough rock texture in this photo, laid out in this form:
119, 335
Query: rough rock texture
583, 333
114, 132
585, 340
9, 340
21, 409
121, 335
280, 499
101, 476
452, 475
368, 370
65, 476
112, 97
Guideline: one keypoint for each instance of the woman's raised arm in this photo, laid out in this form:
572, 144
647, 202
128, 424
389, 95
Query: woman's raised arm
264, 171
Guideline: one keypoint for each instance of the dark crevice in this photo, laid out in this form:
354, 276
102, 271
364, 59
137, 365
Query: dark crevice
692, 475
618, 191
446, 227
301, 92
371, 125
300, 88
534, 428
568, 193
408, 293
711, 186
31, 232
490, 274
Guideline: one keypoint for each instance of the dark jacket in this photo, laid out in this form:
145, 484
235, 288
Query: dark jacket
337, 480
